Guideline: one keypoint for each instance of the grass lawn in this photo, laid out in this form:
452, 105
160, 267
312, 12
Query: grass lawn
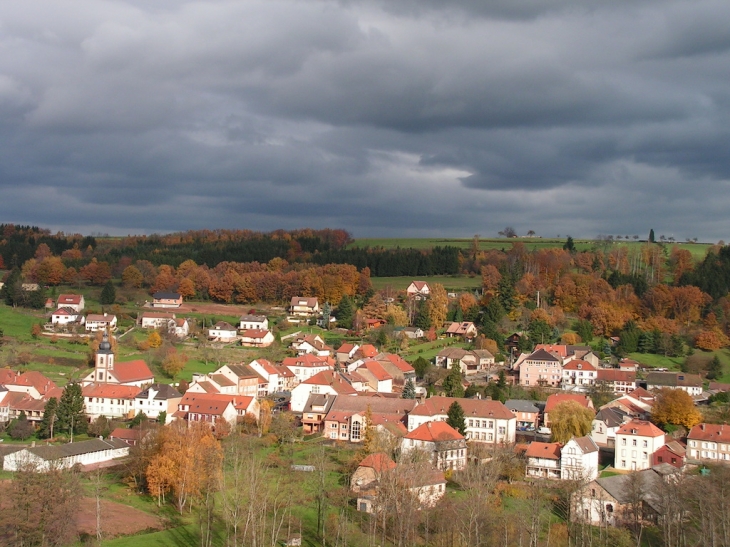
429, 350
182, 536
450, 282
657, 361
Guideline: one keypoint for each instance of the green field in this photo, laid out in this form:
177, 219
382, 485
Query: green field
450, 282
698, 250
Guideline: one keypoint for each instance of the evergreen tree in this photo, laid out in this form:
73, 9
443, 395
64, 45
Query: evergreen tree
714, 370
138, 419
501, 380
50, 415
646, 342
409, 390
458, 315
455, 417
629, 338
420, 365
108, 294
11, 288
506, 293
651, 235
344, 313
21, 428
162, 418
584, 329
452, 383
540, 331
71, 410
569, 245
423, 319
493, 311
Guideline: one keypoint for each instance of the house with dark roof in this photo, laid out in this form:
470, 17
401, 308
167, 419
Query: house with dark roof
66, 316
487, 421
304, 306
315, 411
253, 322
101, 321
64, 456
541, 368
222, 332
691, 383
606, 424
526, 412
163, 299
470, 361
156, 399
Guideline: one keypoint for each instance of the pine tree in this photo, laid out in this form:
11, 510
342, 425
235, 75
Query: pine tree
71, 410
409, 390
455, 417
569, 245
108, 294
506, 293
344, 313
50, 415
714, 370
651, 235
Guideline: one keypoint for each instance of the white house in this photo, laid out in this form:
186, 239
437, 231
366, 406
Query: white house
579, 375
223, 332
267, 370
543, 460
64, 456
418, 290
156, 399
157, 320
636, 441
306, 366
709, 442
470, 361
207, 408
66, 316
446, 446
311, 343
181, 327
253, 322
377, 377
326, 382
691, 383
486, 421
605, 425
110, 400
256, 338
579, 459
96, 321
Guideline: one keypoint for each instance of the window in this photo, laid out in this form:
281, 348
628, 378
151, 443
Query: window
502, 430
355, 431
646, 444
633, 442
623, 442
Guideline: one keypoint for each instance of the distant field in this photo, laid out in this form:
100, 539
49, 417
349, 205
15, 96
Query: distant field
698, 250
450, 282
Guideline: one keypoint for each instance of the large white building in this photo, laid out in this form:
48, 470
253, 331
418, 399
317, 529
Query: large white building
64, 456
636, 441
486, 421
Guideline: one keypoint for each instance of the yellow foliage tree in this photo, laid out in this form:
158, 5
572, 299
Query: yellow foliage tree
675, 406
174, 362
397, 315
438, 305
154, 340
570, 419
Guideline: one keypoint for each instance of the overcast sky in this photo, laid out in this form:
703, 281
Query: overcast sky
432, 118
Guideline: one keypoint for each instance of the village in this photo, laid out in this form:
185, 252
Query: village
364, 396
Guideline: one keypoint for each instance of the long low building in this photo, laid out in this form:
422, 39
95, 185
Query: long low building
64, 456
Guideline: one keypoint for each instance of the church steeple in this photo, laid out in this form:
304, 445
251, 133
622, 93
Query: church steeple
104, 362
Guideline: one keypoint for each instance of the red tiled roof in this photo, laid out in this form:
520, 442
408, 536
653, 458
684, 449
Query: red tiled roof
549, 451
640, 427
710, 432
368, 350
615, 375
346, 348
74, 299
132, 371
126, 434
110, 391
435, 432
399, 362
559, 349
377, 370
641, 394
35, 379
420, 285
332, 379
65, 311
157, 315
254, 333
7, 376
481, 408
557, 398
579, 364
309, 360
207, 403
17, 400
378, 461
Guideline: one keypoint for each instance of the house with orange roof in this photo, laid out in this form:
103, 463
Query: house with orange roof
543, 460
307, 365
466, 330
397, 367
557, 398
376, 376
636, 442
487, 421
369, 472
12, 403
311, 343
418, 290
32, 382
346, 352
617, 380
366, 351
109, 400
74, 301
207, 408
108, 371
709, 442
326, 382
637, 403
180, 327
446, 446
269, 372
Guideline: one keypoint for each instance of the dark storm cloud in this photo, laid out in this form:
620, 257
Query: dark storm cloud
386, 118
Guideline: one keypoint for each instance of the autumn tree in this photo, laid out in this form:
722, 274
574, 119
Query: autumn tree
154, 340
569, 419
132, 277
437, 305
174, 362
676, 407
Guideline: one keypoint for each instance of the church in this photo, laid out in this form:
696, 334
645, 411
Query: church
107, 371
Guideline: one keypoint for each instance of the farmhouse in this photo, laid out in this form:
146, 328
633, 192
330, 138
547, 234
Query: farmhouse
167, 300
446, 446
418, 290
222, 332
74, 301
253, 322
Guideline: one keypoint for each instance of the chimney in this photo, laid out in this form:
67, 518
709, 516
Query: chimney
702, 427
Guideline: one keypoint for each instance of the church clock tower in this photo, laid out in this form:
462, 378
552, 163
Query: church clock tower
104, 361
